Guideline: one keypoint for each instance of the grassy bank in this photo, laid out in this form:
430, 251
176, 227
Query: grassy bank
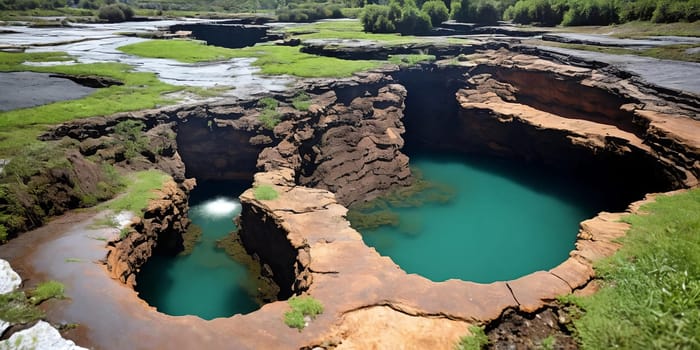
20, 127
650, 293
272, 59
140, 188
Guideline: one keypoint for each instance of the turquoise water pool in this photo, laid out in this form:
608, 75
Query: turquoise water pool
206, 283
503, 220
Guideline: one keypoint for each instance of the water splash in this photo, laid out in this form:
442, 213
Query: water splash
220, 207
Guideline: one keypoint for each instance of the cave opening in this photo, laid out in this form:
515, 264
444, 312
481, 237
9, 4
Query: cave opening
512, 198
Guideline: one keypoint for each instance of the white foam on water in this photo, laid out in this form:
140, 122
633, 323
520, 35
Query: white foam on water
220, 207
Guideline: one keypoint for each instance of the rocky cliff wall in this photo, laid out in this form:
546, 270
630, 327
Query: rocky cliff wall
160, 229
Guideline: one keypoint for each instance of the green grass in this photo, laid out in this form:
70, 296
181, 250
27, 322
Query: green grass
650, 289
477, 340
272, 59
347, 30
301, 101
301, 307
265, 192
16, 309
19, 128
140, 189
46, 291
410, 60
188, 51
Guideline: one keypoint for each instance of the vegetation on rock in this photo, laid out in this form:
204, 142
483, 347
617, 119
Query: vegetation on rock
476, 340
650, 289
302, 307
265, 192
140, 188
17, 308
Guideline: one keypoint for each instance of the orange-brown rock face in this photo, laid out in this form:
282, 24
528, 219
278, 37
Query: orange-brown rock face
351, 148
162, 226
581, 118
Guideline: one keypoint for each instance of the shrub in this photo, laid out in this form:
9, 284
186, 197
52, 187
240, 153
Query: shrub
131, 136
111, 13
300, 308
641, 10
590, 12
436, 10
306, 12
375, 19
544, 12
669, 11
265, 192
413, 21
475, 341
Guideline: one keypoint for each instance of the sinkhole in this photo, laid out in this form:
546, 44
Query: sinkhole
496, 201
206, 282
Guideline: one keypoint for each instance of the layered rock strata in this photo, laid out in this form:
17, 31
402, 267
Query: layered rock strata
160, 228
349, 146
326, 258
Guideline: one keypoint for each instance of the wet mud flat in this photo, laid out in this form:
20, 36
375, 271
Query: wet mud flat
29, 89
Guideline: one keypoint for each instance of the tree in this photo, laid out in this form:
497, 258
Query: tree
436, 10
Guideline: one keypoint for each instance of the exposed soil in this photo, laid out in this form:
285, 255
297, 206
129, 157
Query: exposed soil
517, 330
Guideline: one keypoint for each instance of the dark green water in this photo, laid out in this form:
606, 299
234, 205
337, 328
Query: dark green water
504, 221
206, 283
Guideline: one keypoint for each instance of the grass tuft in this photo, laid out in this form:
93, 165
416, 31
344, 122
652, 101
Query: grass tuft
45, 291
477, 340
301, 307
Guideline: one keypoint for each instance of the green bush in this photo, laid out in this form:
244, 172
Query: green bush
375, 19
307, 12
543, 12
481, 11
640, 10
669, 11
111, 13
436, 10
301, 307
265, 192
590, 12
413, 21
130, 135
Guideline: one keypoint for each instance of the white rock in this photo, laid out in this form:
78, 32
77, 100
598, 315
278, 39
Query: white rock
9, 279
40, 337
3, 326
